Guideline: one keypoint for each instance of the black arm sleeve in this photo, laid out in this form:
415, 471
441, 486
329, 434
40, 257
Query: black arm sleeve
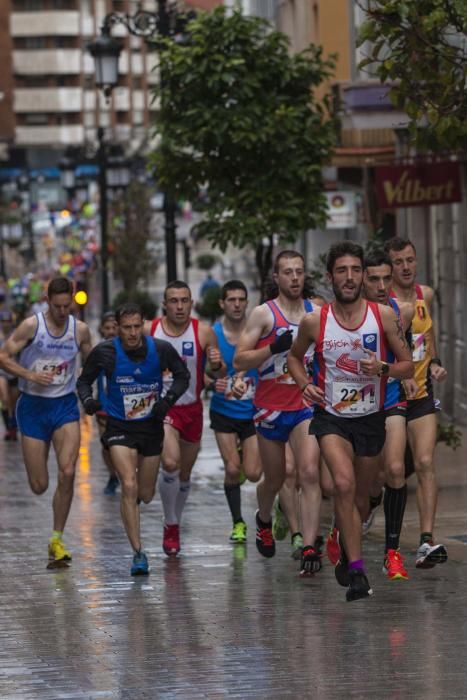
100, 359
171, 360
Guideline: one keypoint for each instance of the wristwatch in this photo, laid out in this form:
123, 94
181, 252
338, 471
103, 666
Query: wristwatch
384, 369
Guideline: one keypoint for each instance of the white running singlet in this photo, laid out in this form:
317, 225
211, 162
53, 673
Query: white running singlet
188, 347
348, 392
49, 352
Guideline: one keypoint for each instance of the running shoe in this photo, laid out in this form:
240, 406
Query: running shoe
368, 523
333, 548
394, 567
280, 526
341, 570
297, 545
140, 566
310, 562
264, 540
238, 534
57, 550
429, 554
112, 486
358, 586
171, 540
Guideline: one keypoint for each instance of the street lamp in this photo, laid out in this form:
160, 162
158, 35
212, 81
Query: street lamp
106, 52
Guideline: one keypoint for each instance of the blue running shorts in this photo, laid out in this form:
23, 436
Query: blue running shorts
277, 425
39, 416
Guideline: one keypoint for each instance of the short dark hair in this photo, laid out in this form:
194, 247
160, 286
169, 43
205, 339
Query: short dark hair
397, 244
60, 285
230, 286
176, 284
286, 254
338, 250
376, 259
128, 309
109, 316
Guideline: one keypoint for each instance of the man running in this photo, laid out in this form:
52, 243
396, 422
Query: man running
281, 414
196, 343
377, 281
133, 365
421, 418
232, 409
351, 337
108, 329
47, 410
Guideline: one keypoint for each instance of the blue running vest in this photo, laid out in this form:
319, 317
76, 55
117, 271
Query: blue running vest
238, 409
134, 387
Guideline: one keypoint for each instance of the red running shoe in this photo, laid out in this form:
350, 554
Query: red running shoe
333, 548
171, 540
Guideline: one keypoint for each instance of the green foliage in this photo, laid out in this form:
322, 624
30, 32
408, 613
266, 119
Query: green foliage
450, 435
137, 296
209, 307
420, 47
130, 234
206, 261
238, 116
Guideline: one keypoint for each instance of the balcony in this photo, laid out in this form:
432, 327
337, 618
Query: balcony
65, 23
48, 100
43, 61
49, 135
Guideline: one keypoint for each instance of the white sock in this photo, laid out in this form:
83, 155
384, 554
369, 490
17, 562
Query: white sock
169, 486
182, 495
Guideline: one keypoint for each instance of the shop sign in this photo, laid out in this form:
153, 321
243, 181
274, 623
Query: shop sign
418, 185
342, 210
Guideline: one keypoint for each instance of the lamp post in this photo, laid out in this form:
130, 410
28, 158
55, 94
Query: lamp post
106, 52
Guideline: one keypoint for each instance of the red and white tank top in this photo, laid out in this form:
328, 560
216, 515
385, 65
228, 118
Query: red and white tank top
188, 347
347, 392
276, 390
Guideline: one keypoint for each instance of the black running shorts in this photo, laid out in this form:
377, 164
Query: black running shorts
223, 424
146, 438
417, 408
365, 433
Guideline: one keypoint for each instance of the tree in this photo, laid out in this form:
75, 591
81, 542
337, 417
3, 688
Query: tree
238, 115
420, 47
130, 235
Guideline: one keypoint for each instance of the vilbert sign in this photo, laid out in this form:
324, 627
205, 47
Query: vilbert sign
418, 185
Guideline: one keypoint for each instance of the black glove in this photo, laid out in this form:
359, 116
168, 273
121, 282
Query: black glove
160, 409
282, 343
91, 406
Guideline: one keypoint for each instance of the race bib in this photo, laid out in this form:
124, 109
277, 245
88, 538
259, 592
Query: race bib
418, 347
281, 371
353, 399
58, 367
139, 405
247, 396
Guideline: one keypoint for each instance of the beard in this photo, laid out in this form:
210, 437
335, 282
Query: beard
350, 298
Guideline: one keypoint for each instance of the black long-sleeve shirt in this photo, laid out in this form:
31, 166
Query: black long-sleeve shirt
102, 359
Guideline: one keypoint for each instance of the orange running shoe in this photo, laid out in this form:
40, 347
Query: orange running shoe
394, 567
333, 548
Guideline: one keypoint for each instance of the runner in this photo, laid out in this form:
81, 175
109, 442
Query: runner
108, 329
281, 414
8, 382
47, 410
351, 370
232, 419
196, 343
133, 365
377, 282
421, 419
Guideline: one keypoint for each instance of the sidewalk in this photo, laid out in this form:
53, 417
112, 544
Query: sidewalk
219, 621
